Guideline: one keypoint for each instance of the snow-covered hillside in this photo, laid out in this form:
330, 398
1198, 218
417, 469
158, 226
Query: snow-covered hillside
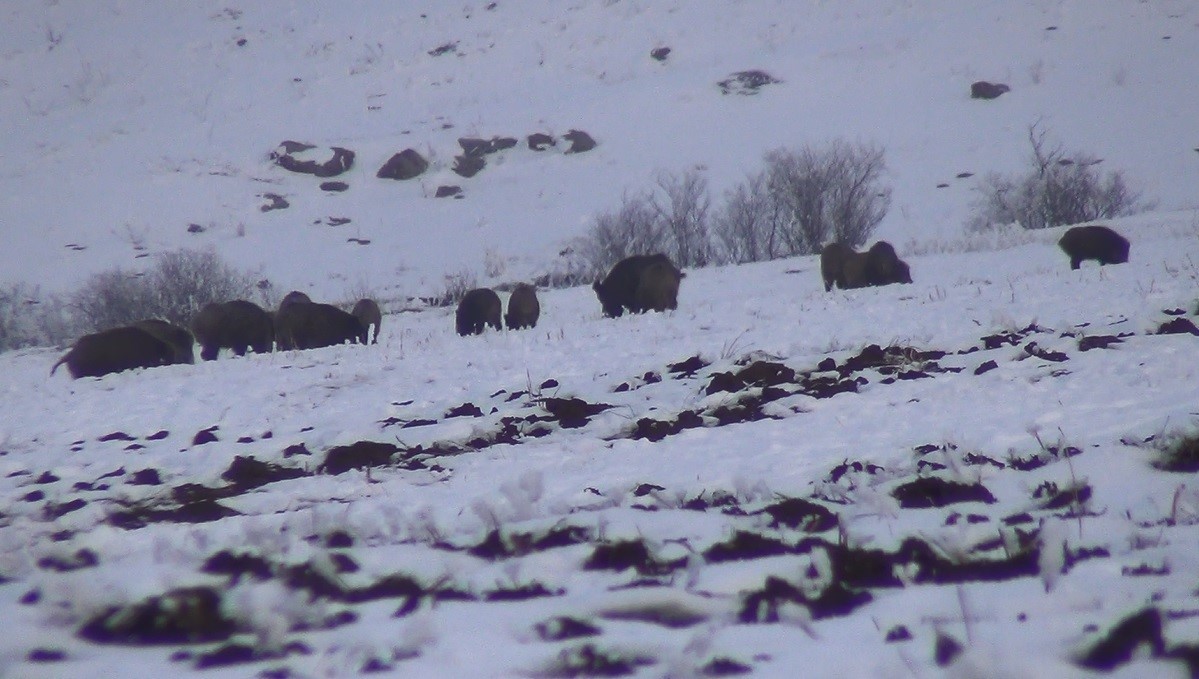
124, 123
599, 496
955, 477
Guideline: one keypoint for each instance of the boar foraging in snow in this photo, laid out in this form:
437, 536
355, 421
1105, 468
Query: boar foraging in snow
523, 307
479, 307
115, 350
639, 283
1094, 242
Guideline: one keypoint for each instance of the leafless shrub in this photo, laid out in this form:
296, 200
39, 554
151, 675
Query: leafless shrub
680, 208
179, 284
1058, 188
570, 269
456, 286
29, 318
828, 193
631, 229
182, 281
749, 226
803, 199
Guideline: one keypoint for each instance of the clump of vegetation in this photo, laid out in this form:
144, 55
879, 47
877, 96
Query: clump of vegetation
801, 199
1059, 187
1179, 453
173, 289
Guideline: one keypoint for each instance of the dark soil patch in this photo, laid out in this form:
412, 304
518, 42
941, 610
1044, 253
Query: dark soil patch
205, 436
589, 661
800, 514
247, 472
563, 628
502, 546
1012, 338
41, 655
181, 616
572, 413
1123, 641
534, 590
145, 477
934, 491
855, 467
656, 430
1178, 326
746, 545
360, 455
1052, 497
193, 503
54, 510
824, 386
236, 565
240, 654
296, 449
985, 367
1181, 455
758, 374
1033, 349
719, 499
618, 556
724, 667
762, 606
83, 558
1098, 342
464, 410
687, 367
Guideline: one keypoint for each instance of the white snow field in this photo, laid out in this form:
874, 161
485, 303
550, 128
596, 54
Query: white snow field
956, 477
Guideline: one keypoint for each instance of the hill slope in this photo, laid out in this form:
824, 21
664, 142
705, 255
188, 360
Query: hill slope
743, 484
126, 123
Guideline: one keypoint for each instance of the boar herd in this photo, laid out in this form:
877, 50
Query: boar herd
237, 325
637, 284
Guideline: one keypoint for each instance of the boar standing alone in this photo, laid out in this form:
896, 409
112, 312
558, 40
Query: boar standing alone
238, 325
639, 283
523, 307
479, 307
369, 314
114, 350
1094, 242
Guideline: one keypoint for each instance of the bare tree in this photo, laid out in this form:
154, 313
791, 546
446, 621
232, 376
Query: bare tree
1058, 188
749, 225
182, 281
681, 214
829, 193
174, 289
631, 230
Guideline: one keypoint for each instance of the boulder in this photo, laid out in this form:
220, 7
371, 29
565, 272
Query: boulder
580, 141
309, 159
406, 164
468, 166
985, 90
539, 141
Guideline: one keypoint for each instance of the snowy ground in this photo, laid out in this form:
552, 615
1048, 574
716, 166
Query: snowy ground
659, 550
